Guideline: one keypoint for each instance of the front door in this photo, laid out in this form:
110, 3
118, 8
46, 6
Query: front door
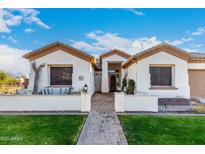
98, 80
113, 83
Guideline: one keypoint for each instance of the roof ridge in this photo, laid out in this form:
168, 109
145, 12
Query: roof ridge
52, 44
115, 50
134, 57
81, 54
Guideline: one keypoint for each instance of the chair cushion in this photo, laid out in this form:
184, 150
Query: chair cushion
45, 91
66, 91
56, 91
71, 90
21, 91
50, 90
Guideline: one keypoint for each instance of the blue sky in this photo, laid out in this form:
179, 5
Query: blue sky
98, 30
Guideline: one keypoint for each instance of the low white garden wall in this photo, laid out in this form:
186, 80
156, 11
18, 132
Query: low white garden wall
125, 102
81, 102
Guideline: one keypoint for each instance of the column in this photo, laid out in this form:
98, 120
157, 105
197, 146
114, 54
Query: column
105, 84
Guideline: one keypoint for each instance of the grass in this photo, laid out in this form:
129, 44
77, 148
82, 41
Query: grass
40, 129
163, 130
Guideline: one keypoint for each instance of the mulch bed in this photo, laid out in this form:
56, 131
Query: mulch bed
174, 101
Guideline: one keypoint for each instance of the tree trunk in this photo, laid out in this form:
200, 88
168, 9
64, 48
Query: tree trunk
37, 71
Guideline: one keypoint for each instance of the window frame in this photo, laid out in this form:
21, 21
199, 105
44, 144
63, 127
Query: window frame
172, 66
60, 65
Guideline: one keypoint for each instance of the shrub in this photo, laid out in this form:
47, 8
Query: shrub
131, 87
7, 79
199, 108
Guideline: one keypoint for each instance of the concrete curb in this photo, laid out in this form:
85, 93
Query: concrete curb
42, 113
164, 114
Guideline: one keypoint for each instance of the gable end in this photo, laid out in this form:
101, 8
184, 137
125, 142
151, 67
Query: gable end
58, 46
163, 47
113, 52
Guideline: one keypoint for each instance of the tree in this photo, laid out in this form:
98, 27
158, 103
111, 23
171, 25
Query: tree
124, 82
2, 76
37, 71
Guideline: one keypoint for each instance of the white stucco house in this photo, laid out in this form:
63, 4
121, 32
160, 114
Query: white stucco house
163, 70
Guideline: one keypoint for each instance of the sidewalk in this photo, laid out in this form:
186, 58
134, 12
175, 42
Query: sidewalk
102, 125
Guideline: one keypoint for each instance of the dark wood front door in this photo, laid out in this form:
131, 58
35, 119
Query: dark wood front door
113, 83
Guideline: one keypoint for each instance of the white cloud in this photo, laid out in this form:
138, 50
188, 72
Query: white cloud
3, 26
136, 12
11, 60
191, 50
33, 19
144, 43
86, 46
28, 30
9, 38
35, 41
30, 16
102, 42
10, 19
108, 40
14, 17
197, 45
13, 40
199, 31
180, 41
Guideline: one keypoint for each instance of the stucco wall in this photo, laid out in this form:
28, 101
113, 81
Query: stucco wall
132, 72
136, 102
40, 103
80, 68
112, 58
80, 102
180, 75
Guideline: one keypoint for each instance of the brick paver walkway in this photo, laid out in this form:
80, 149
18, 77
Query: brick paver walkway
102, 125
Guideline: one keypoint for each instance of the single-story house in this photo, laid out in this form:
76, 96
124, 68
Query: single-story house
163, 70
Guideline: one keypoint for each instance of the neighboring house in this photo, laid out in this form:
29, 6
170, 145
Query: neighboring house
163, 70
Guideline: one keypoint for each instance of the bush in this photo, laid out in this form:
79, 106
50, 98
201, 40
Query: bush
199, 108
7, 79
131, 87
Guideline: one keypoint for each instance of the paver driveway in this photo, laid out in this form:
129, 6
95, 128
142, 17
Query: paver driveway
102, 125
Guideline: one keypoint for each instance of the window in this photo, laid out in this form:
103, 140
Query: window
61, 75
161, 76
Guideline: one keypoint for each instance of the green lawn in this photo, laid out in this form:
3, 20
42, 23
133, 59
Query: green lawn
163, 129
40, 129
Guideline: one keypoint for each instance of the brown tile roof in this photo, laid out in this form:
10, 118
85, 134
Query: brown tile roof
58, 46
198, 56
180, 53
